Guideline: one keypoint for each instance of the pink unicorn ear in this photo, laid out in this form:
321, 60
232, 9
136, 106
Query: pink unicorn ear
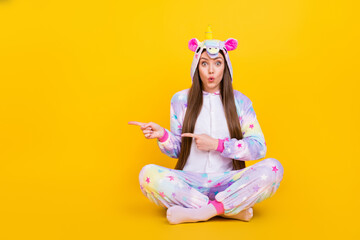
193, 44
231, 44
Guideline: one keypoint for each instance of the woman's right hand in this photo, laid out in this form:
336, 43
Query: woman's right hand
150, 130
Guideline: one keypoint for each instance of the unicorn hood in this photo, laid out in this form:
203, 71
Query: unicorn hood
212, 47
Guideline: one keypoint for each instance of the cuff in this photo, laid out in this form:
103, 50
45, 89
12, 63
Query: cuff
219, 206
164, 137
220, 147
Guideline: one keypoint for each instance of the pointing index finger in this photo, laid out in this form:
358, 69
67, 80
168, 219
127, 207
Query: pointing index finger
189, 135
136, 123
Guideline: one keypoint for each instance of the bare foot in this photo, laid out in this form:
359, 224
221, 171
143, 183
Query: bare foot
244, 215
178, 214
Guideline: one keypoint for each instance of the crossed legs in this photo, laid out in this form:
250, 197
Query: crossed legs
185, 196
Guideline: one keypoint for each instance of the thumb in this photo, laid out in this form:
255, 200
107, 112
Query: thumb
150, 124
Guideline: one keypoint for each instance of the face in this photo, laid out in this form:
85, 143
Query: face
211, 71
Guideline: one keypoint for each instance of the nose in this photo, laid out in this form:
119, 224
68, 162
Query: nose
211, 69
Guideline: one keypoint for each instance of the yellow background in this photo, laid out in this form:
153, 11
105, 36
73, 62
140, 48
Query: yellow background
73, 73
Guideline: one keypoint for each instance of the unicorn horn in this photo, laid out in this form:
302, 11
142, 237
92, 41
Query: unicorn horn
208, 33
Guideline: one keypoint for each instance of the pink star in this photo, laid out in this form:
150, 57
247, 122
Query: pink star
229, 190
171, 178
209, 181
179, 126
275, 169
226, 139
251, 125
162, 194
239, 145
240, 118
253, 169
147, 180
217, 185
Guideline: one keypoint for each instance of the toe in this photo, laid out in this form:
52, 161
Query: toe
168, 212
249, 214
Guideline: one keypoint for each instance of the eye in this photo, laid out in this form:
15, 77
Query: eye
219, 63
203, 63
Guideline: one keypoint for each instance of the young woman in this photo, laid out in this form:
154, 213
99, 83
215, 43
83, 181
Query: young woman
214, 129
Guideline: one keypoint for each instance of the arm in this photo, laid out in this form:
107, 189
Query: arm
252, 146
170, 142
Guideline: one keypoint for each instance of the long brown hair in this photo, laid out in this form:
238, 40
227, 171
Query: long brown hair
194, 104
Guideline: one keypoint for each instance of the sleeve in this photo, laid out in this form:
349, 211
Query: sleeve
253, 145
170, 144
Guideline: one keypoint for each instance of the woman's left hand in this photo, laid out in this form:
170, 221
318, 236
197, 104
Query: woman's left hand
203, 142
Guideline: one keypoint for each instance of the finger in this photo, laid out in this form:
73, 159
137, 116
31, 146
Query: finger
149, 135
189, 135
136, 123
147, 131
146, 128
147, 125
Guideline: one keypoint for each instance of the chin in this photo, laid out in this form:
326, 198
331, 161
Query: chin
212, 85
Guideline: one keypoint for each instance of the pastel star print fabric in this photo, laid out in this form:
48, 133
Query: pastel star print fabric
251, 147
237, 190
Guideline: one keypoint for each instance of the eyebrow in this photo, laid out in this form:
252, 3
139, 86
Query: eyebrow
208, 59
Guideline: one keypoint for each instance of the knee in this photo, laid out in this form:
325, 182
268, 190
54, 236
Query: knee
147, 168
151, 174
273, 162
146, 171
275, 168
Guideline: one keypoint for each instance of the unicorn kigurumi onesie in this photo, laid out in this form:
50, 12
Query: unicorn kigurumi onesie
209, 184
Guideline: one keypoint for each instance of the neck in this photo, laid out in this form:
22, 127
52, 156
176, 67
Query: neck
212, 90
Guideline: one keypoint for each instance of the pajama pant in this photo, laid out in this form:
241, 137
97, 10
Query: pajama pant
237, 189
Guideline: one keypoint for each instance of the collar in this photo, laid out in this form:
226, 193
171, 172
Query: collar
207, 93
